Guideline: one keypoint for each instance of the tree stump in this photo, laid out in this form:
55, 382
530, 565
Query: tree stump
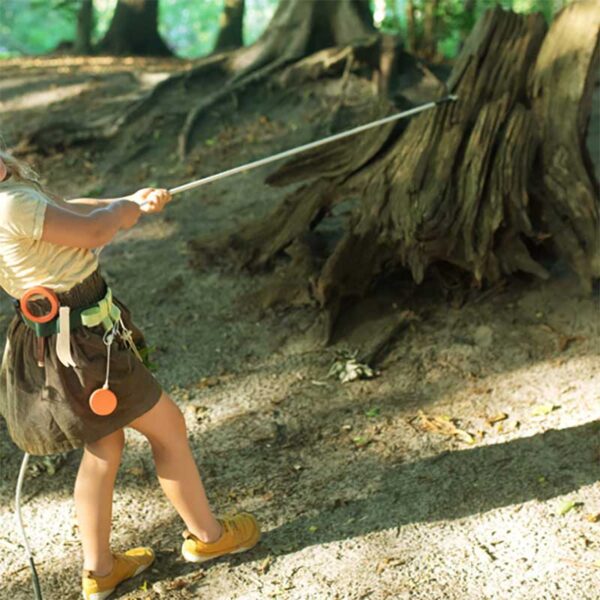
484, 184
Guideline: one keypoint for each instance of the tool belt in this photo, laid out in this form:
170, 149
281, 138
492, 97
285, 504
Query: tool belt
60, 321
104, 313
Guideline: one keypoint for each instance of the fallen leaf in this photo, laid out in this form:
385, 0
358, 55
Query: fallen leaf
265, 565
207, 382
543, 409
497, 418
564, 341
444, 425
568, 506
361, 441
593, 518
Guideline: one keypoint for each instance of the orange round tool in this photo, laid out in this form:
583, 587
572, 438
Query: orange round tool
103, 402
46, 294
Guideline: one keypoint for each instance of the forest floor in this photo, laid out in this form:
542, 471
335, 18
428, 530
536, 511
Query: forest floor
467, 468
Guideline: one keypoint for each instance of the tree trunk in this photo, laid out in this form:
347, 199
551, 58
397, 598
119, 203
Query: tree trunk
134, 30
299, 28
231, 26
85, 27
468, 18
487, 184
430, 27
411, 27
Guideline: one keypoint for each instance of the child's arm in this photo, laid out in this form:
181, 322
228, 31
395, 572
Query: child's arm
93, 230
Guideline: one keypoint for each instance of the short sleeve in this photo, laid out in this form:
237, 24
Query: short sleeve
22, 212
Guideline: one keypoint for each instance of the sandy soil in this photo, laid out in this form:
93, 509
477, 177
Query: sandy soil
467, 468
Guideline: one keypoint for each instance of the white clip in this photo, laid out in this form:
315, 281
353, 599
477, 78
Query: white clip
63, 339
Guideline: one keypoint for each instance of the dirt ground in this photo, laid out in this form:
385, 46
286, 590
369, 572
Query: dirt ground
468, 467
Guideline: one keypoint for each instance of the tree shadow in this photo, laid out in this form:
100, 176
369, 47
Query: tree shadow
450, 485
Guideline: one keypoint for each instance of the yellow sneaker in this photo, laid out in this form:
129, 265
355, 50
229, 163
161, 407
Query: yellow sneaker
125, 566
240, 533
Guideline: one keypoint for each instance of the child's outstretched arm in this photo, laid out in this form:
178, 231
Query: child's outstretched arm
92, 223
93, 230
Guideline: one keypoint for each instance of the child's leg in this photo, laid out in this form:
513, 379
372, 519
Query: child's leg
93, 500
164, 426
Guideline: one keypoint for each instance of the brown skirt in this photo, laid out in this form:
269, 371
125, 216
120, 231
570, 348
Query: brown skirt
47, 408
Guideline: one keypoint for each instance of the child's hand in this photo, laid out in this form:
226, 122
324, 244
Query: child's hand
151, 200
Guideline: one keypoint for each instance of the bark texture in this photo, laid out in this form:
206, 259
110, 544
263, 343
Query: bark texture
299, 28
85, 27
483, 184
133, 30
231, 26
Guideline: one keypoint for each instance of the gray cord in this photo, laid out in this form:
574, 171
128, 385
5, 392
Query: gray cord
310, 146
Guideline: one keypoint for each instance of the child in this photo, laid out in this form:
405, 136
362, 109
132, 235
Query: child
46, 241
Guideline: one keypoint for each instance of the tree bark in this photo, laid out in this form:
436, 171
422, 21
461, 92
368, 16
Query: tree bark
484, 184
134, 30
85, 27
299, 28
430, 27
412, 34
231, 32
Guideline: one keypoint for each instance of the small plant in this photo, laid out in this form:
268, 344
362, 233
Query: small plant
347, 368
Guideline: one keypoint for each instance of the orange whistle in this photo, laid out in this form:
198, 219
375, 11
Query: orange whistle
103, 402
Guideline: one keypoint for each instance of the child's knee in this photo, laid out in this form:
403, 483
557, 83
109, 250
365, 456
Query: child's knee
108, 448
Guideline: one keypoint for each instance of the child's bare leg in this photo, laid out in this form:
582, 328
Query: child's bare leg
93, 500
164, 426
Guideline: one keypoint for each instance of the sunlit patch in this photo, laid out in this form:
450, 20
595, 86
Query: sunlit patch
43, 98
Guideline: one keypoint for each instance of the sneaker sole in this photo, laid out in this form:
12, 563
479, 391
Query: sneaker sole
194, 558
105, 594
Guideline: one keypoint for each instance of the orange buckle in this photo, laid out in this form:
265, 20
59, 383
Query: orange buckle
44, 293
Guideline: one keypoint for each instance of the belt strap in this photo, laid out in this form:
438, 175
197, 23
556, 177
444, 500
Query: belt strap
104, 313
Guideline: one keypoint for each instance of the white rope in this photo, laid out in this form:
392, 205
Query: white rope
37, 590
20, 525
311, 145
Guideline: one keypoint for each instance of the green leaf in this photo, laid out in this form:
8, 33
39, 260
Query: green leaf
566, 507
361, 441
372, 412
543, 409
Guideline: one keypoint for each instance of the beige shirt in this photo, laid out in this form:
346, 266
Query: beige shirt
25, 260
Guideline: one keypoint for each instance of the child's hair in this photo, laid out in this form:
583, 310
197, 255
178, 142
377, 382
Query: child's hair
18, 170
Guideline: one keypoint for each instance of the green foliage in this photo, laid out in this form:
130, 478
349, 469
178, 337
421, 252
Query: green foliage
454, 22
190, 27
35, 26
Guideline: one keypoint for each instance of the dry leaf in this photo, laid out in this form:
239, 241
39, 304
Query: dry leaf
265, 565
497, 418
207, 382
593, 518
444, 425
